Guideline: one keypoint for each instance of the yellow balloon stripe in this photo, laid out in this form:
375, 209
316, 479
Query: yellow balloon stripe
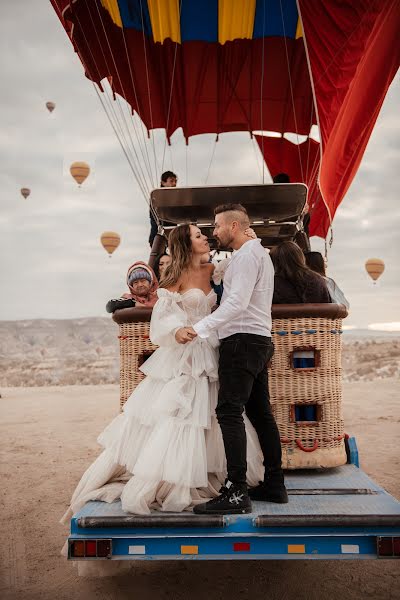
165, 21
235, 20
112, 7
299, 29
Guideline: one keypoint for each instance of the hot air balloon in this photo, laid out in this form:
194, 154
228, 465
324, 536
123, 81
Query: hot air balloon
218, 66
50, 106
79, 171
110, 241
25, 192
374, 268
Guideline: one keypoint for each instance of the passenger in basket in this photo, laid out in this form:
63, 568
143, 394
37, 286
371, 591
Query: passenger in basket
295, 282
316, 262
142, 283
168, 179
163, 262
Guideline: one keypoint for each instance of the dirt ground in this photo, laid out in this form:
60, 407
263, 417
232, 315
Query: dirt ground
48, 437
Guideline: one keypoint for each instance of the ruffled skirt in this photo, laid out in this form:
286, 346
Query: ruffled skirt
165, 451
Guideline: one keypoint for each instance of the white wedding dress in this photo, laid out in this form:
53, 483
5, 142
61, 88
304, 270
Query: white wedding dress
165, 450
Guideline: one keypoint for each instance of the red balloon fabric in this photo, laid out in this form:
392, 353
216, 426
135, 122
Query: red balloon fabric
354, 53
299, 161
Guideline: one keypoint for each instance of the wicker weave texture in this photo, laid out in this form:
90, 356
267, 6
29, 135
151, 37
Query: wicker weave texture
305, 444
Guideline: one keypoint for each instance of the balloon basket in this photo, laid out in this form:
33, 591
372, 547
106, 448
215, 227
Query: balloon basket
305, 381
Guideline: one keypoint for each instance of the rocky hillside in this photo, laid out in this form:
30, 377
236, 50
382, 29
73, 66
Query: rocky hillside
58, 352
85, 351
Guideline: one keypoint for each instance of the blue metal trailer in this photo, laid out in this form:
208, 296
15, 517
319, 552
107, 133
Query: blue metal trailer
338, 513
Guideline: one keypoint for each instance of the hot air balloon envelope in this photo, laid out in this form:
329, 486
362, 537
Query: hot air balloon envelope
50, 106
25, 192
374, 268
79, 171
257, 65
110, 241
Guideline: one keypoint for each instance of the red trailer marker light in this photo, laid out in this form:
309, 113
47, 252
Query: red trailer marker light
241, 547
77, 549
104, 548
396, 546
90, 548
385, 546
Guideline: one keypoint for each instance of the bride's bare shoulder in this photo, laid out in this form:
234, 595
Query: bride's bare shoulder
176, 287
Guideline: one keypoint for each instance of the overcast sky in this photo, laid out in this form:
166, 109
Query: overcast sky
51, 261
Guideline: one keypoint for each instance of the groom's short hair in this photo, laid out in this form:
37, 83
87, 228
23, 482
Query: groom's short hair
230, 207
237, 212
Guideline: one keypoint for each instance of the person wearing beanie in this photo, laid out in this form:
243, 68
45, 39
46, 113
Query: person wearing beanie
142, 284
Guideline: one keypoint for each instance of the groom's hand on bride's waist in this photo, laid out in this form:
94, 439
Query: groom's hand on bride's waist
185, 335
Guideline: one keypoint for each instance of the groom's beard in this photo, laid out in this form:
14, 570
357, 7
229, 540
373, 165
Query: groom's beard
224, 242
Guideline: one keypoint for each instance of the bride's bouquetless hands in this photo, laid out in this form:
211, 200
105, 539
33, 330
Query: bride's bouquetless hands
185, 335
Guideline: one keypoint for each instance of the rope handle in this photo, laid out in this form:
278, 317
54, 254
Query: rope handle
300, 445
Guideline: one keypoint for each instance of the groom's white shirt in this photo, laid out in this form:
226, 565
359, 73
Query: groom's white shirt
246, 301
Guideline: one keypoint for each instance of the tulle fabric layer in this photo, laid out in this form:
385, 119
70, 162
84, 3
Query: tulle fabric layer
165, 451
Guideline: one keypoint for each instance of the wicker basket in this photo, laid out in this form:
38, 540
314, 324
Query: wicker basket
296, 389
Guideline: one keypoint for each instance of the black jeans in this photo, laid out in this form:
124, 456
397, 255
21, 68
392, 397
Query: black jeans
243, 380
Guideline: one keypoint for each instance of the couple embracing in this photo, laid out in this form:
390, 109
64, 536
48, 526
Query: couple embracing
198, 431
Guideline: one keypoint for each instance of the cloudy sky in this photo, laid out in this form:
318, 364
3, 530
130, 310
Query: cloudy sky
51, 261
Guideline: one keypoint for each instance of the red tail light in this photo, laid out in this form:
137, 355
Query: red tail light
103, 548
388, 547
77, 549
90, 548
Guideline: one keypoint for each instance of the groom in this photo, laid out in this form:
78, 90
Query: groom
243, 324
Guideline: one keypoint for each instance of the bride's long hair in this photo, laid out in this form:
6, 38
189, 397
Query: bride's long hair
180, 249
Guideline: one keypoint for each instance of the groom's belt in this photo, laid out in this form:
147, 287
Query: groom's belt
255, 337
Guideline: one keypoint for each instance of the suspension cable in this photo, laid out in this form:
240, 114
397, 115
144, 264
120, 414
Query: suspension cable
117, 125
211, 159
121, 133
148, 89
261, 94
153, 178
291, 89
125, 96
170, 94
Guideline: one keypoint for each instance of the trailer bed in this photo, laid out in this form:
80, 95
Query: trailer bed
337, 513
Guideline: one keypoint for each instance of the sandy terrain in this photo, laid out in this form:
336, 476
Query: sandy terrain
47, 438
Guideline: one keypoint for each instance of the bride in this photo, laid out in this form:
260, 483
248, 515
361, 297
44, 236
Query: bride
165, 450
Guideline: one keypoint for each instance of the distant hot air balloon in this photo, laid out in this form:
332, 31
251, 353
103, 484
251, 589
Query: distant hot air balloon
50, 106
79, 171
374, 268
110, 241
25, 192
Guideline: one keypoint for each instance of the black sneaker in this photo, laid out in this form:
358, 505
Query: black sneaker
270, 492
233, 500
